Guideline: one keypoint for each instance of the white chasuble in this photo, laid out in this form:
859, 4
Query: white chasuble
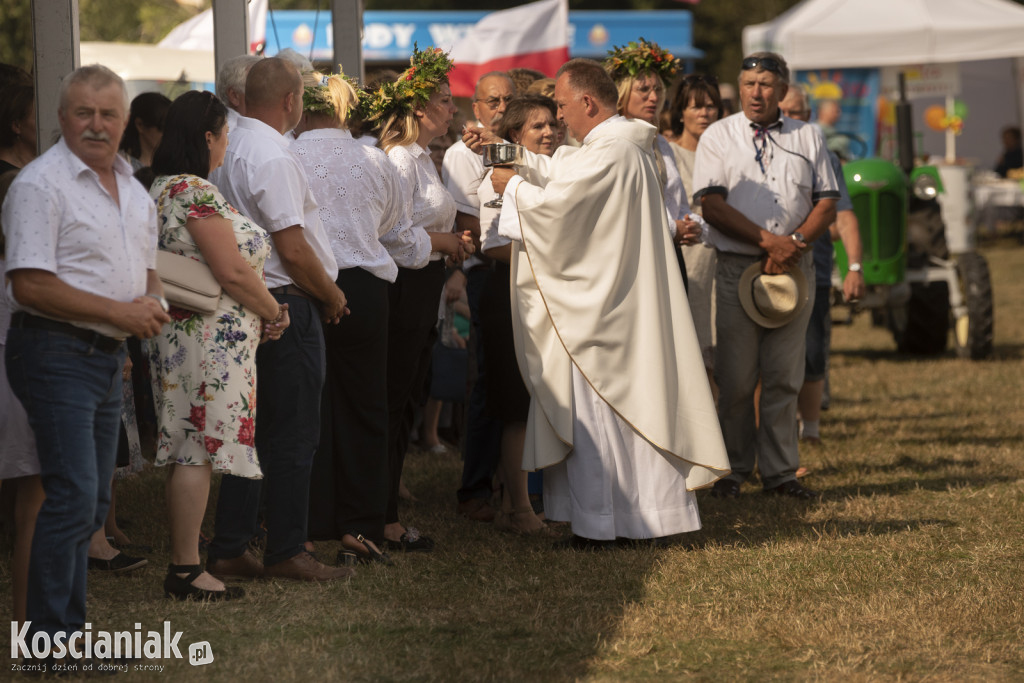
595, 292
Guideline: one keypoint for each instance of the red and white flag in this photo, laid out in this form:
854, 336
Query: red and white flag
197, 32
532, 36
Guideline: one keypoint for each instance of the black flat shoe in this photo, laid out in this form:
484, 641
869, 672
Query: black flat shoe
410, 542
118, 564
793, 489
726, 488
181, 588
366, 553
575, 542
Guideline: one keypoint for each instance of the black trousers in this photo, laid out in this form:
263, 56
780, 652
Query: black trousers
412, 329
350, 484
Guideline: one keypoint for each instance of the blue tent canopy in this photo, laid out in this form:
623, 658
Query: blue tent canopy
389, 36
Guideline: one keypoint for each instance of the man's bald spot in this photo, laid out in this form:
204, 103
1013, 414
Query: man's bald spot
269, 81
490, 75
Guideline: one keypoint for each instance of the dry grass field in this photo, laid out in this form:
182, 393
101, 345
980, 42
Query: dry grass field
909, 569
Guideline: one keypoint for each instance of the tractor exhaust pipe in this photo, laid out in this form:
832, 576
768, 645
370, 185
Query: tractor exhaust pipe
904, 128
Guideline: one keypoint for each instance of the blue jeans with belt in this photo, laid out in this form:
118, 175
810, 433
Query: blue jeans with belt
290, 379
71, 392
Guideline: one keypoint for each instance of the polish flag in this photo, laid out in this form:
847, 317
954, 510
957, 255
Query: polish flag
197, 32
532, 36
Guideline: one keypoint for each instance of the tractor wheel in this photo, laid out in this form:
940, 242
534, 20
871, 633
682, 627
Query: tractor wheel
924, 327
973, 331
926, 233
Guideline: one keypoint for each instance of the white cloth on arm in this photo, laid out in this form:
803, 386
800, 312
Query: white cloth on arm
355, 188
489, 217
59, 218
428, 207
265, 182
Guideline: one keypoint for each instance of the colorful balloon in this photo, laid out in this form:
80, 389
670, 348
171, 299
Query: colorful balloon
934, 117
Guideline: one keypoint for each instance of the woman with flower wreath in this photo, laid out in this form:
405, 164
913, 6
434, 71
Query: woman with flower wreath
642, 71
204, 365
412, 111
355, 187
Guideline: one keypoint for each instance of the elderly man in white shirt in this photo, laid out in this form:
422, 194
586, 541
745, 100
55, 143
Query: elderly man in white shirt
81, 256
265, 182
768, 191
462, 172
231, 85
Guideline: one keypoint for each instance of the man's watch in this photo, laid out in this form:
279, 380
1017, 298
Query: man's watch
854, 268
799, 239
162, 301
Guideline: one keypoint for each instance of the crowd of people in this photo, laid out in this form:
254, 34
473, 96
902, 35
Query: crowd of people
639, 303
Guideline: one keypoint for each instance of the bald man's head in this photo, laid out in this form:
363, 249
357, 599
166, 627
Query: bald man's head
269, 81
273, 94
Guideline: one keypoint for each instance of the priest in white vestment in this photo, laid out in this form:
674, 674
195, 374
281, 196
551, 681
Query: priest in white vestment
621, 416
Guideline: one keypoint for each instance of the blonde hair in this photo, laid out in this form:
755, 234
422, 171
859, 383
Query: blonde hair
625, 88
399, 130
335, 91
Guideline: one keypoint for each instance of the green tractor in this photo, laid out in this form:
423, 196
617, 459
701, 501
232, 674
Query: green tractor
914, 285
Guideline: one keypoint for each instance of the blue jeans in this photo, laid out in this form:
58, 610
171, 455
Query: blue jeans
290, 379
71, 392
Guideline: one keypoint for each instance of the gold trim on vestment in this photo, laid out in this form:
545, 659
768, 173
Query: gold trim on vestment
587, 379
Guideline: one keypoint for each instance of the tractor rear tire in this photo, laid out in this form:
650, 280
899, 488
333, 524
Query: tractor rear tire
924, 329
974, 330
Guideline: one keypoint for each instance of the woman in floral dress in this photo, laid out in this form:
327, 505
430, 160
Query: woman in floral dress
204, 366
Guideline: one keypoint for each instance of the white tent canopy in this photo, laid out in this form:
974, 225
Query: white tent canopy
820, 34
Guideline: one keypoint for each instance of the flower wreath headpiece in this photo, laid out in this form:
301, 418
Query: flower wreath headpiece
427, 70
317, 98
639, 57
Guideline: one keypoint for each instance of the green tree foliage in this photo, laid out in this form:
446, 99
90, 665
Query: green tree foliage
16, 33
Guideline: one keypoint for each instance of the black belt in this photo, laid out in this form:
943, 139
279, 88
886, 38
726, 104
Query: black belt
292, 290
23, 320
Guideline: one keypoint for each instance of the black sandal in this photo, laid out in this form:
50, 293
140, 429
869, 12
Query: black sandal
367, 554
181, 588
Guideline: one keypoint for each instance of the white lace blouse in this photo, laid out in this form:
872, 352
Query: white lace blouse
356, 190
428, 207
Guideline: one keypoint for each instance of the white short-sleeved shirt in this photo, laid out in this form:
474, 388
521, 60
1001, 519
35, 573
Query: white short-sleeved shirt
265, 182
58, 217
428, 206
356, 189
772, 177
462, 172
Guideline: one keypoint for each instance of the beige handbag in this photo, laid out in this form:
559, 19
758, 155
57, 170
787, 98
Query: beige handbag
188, 283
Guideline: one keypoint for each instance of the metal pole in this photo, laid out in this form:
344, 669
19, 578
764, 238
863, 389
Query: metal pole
55, 37
230, 30
347, 34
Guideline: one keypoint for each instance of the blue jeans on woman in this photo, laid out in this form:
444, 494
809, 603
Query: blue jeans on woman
71, 392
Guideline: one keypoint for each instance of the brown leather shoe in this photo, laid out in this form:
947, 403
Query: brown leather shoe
477, 509
305, 567
245, 566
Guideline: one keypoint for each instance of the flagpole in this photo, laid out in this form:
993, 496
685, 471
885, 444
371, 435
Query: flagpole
347, 33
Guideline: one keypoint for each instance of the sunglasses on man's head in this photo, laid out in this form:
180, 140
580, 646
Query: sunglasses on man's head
690, 79
766, 63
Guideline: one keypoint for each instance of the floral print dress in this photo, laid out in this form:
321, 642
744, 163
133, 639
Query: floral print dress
204, 366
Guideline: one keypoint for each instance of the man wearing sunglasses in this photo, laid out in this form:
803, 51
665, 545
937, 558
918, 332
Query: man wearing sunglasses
461, 172
768, 191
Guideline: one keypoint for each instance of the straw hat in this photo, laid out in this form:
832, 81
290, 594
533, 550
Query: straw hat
772, 300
